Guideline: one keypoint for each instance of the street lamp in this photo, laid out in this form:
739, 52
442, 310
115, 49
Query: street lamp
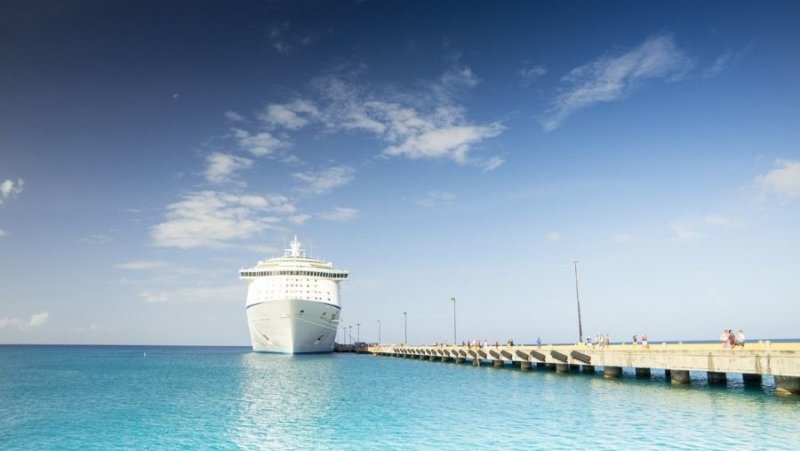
454, 321
379, 331
358, 332
577, 298
351, 334
405, 328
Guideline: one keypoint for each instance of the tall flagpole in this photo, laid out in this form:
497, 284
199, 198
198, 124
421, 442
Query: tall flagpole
454, 321
578, 298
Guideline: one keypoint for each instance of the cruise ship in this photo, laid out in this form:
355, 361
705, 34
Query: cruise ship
293, 303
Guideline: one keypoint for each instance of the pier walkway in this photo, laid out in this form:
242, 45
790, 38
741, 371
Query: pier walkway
781, 360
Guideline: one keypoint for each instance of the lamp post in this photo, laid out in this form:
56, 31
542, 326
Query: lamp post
351, 334
358, 332
454, 321
379, 331
578, 299
405, 328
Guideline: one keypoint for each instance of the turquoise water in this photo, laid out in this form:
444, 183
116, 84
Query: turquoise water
229, 398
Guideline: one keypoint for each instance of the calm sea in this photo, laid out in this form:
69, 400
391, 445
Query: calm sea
96, 397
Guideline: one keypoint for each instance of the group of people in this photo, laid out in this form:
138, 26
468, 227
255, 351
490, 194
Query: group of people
601, 340
476, 344
730, 340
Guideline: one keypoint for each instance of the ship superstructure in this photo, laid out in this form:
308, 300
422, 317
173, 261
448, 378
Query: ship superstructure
293, 303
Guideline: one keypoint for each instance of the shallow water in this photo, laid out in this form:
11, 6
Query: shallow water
200, 397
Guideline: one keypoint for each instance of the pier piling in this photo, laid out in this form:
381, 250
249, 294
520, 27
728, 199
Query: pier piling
716, 378
679, 376
751, 380
787, 385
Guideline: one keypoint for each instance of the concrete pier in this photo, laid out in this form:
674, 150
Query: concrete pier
780, 360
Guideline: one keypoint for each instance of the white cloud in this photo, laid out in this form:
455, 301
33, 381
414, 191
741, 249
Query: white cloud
292, 116
142, 264
719, 65
324, 181
435, 198
611, 78
6, 322
784, 180
424, 124
531, 74
260, 144
623, 238
299, 219
719, 220
444, 141
10, 189
233, 116
214, 219
222, 166
277, 37
454, 80
2, 233
492, 163
554, 237
38, 319
341, 214
725, 61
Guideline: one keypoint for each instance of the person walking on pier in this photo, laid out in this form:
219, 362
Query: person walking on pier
644, 341
740, 338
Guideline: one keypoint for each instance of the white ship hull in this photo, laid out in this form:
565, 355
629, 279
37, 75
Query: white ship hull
293, 326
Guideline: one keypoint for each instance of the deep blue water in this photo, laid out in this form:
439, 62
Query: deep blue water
101, 397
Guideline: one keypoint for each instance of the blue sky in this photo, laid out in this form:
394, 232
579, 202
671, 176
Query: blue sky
474, 150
